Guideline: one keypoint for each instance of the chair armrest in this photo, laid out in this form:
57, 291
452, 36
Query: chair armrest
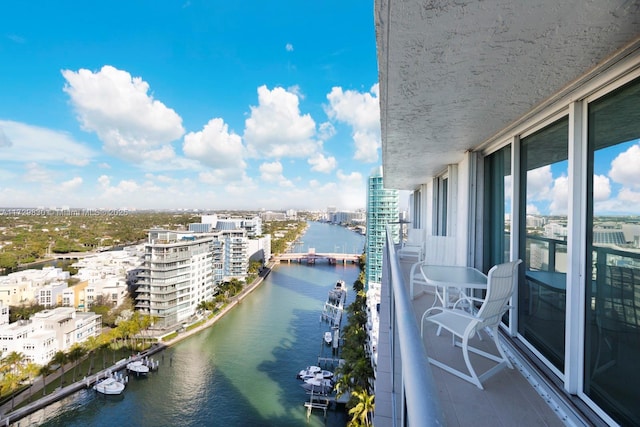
469, 299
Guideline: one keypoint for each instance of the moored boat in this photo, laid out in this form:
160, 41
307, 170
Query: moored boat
319, 385
138, 367
109, 386
328, 337
309, 372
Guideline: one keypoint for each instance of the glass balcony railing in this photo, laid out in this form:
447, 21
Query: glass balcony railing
412, 389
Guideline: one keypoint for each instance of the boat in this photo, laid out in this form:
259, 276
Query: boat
309, 372
109, 386
318, 385
138, 367
328, 337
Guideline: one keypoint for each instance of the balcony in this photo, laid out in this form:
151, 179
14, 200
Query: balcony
410, 391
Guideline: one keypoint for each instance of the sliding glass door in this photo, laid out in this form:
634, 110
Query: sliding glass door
542, 241
612, 337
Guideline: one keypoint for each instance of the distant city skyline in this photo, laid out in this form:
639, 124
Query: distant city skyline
188, 105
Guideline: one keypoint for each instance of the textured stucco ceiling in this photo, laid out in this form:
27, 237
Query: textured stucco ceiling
455, 73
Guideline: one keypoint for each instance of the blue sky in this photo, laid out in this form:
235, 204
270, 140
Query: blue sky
187, 104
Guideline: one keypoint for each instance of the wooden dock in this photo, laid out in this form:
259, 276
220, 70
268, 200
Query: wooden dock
316, 402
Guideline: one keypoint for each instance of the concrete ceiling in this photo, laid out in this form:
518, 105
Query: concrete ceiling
454, 73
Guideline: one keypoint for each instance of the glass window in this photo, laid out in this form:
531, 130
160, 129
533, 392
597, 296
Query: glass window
542, 240
497, 201
497, 206
612, 337
441, 194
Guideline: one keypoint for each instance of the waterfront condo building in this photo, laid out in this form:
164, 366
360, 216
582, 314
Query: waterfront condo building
382, 209
47, 332
177, 274
515, 125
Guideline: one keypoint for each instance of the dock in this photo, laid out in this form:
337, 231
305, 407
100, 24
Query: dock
317, 402
332, 362
86, 382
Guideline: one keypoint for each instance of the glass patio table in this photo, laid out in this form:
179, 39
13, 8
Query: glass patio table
445, 277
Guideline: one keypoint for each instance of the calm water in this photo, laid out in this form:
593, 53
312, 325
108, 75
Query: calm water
241, 371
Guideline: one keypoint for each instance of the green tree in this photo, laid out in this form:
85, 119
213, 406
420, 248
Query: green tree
31, 370
60, 358
44, 371
76, 352
12, 366
364, 406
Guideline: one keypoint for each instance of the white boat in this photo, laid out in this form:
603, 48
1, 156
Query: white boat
318, 384
326, 374
138, 367
328, 337
109, 386
309, 372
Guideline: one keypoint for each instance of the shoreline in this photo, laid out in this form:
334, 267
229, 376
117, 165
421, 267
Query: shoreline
13, 416
6, 418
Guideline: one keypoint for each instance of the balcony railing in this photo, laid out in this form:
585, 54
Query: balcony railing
414, 396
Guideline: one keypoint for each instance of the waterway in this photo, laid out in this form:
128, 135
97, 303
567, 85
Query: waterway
242, 370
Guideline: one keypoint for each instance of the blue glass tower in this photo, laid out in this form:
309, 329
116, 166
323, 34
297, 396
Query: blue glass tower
382, 209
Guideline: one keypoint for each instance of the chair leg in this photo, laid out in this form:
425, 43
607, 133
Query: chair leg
465, 352
494, 332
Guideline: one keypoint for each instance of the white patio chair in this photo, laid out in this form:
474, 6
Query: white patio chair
464, 325
413, 247
438, 250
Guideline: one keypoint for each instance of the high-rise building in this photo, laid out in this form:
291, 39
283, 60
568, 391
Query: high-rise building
382, 209
177, 275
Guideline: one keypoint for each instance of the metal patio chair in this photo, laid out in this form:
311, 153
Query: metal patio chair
501, 283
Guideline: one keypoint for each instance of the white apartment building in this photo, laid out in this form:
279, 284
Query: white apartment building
22, 287
4, 314
51, 295
178, 273
47, 332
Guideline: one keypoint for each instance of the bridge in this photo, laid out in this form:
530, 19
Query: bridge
312, 257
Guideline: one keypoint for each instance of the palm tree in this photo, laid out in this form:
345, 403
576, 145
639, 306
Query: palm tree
75, 354
360, 412
12, 365
45, 370
91, 344
11, 381
60, 358
31, 370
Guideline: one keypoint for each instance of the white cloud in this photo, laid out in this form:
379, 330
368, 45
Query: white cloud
362, 112
72, 184
277, 129
26, 143
508, 184
216, 147
539, 183
601, 188
220, 176
289, 47
326, 131
272, 172
320, 163
625, 167
117, 107
560, 199
367, 144
532, 210
630, 196
37, 173
4, 139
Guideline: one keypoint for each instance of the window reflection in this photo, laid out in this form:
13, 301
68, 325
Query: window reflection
543, 247
612, 341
